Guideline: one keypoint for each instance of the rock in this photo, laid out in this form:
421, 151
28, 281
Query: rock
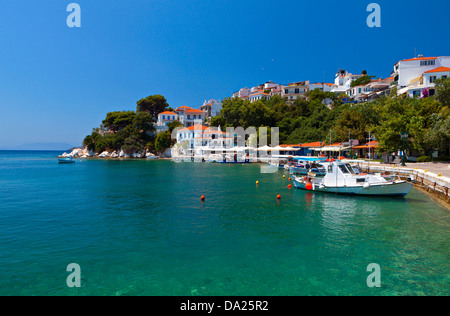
104, 154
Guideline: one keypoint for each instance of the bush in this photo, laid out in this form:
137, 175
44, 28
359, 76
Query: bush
423, 159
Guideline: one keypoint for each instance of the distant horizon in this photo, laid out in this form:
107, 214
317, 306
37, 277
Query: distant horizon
39, 147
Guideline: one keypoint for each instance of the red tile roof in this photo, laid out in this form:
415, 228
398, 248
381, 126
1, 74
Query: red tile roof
168, 113
195, 127
439, 69
195, 111
420, 58
366, 146
314, 144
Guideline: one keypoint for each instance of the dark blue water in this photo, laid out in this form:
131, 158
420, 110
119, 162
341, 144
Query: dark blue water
139, 228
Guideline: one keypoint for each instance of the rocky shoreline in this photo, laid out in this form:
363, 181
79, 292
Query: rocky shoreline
85, 153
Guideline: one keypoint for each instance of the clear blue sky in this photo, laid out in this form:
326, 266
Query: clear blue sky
56, 83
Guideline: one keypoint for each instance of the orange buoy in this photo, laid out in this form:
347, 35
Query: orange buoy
290, 179
202, 198
308, 186
278, 197
290, 186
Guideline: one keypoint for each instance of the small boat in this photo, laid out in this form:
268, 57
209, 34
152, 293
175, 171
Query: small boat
153, 157
68, 159
342, 179
303, 167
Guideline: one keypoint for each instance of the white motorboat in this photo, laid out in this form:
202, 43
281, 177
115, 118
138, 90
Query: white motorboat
341, 178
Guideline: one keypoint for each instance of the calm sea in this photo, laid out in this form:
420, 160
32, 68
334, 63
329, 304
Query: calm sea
139, 228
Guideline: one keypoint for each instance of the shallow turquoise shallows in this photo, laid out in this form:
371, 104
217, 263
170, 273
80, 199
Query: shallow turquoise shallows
140, 228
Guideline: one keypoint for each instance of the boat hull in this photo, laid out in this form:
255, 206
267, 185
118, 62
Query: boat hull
66, 161
400, 189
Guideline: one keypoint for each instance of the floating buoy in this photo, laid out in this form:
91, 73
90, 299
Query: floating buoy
290, 179
426, 170
278, 197
439, 175
284, 177
202, 198
257, 182
308, 186
290, 186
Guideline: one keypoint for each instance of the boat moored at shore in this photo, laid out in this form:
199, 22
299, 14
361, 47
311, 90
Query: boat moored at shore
342, 179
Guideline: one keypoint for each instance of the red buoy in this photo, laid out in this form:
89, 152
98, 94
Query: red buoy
278, 197
290, 186
308, 186
202, 198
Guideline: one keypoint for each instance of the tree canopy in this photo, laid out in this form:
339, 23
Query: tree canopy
153, 104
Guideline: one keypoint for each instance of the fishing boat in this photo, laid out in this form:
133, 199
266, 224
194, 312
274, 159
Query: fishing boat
342, 179
68, 159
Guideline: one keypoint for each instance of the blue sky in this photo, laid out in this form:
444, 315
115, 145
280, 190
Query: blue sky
56, 83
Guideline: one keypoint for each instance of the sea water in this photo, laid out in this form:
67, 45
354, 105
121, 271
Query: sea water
138, 227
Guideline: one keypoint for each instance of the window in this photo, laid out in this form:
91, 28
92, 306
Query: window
444, 77
286, 91
164, 117
432, 79
330, 168
297, 91
427, 63
343, 169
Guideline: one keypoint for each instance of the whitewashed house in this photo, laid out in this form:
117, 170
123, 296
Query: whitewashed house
211, 108
189, 116
407, 70
295, 90
343, 81
426, 83
164, 119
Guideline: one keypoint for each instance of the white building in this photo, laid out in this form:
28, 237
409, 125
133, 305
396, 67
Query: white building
405, 71
426, 82
259, 95
211, 108
295, 90
164, 119
343, 81
325, 87
243, 93
189, 116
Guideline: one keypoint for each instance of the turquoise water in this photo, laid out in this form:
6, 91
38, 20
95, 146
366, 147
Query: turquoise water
139, 228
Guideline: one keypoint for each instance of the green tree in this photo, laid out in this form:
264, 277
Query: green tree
443, 91
162, 141
115, 121
153, 104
